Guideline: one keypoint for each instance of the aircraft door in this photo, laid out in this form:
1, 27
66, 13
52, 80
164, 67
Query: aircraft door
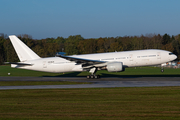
44, 64
158, 55
131, 60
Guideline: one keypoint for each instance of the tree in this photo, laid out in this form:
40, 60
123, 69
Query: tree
78, 45
100, 45
166, 39
11, 55
2, 52
126, 43
71, 44
115, 46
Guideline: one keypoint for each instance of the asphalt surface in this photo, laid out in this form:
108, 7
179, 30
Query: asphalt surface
95, 83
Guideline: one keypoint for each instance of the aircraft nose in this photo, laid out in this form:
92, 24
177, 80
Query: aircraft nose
172, 57
175, 56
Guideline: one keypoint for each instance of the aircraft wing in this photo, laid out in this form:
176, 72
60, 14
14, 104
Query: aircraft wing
84, 62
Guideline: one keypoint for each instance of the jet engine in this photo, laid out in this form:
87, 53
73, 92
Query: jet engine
115, 67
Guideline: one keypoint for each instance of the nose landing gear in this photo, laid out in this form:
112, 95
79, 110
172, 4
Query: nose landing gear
162, 69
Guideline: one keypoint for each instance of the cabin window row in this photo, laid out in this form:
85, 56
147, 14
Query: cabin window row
146, 56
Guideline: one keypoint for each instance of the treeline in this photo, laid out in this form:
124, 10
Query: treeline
78, 45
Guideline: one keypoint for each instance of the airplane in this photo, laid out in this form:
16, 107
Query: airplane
111, 61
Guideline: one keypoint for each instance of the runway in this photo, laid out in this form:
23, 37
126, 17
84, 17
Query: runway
110, 82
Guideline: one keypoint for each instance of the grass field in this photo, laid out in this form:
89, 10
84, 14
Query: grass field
136, 103
149, 103
139, 71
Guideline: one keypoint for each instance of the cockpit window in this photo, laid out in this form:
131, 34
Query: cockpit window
170, 53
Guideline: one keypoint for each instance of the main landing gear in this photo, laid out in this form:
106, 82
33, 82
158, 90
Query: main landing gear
93, 75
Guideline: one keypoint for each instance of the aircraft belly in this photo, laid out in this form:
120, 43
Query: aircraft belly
67, 67
146, 62
59, 68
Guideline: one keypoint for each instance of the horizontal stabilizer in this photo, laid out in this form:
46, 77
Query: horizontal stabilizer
18, 63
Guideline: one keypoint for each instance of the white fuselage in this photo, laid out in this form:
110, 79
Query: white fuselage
128, 58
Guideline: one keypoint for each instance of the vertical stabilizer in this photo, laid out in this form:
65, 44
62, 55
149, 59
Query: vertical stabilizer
23, 51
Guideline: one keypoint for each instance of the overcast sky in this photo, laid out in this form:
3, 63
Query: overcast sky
89, 18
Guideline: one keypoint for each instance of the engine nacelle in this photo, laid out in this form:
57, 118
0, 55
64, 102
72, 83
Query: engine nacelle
115, 67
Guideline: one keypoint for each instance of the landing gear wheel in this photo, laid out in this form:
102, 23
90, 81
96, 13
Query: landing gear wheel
162, 70
97, 76
92, 76
88, 77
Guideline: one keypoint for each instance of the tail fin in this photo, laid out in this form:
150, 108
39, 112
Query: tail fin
23, 51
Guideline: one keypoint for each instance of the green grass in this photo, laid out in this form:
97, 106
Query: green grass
136, 103
150, 103
139, 71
